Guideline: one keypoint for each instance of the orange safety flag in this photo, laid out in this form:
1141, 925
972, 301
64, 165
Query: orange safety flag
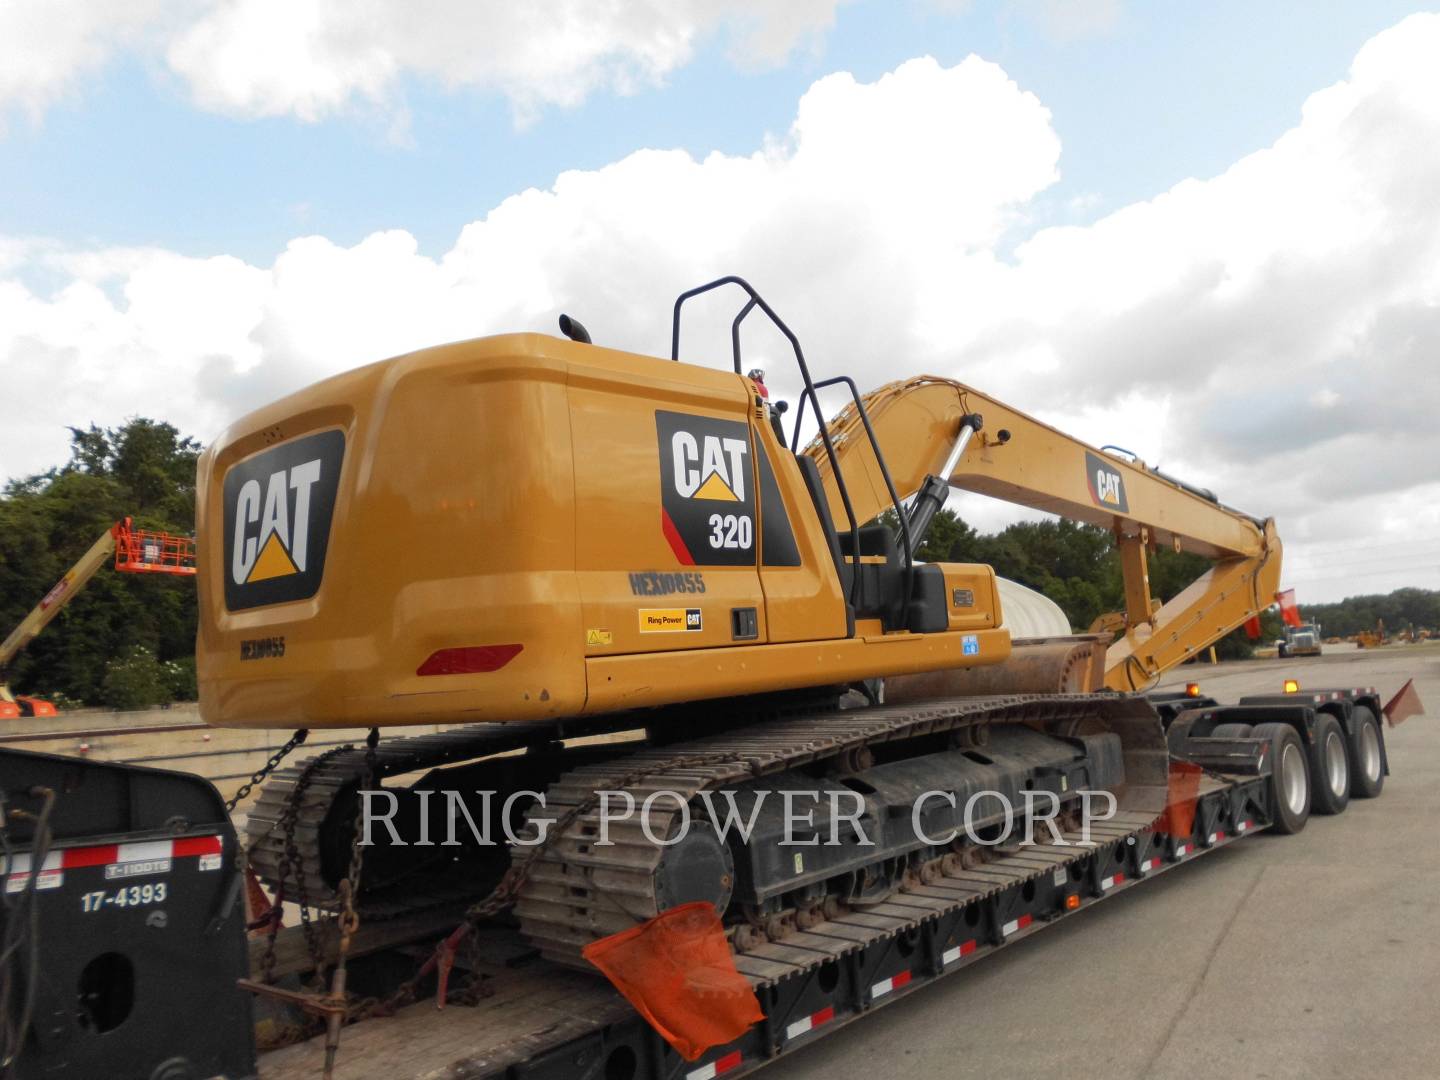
1289, 613
1252, 627
1178, 820
676, 969
1404, 705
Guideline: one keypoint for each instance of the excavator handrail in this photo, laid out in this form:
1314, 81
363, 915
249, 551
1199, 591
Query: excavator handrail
864, 414
808, 393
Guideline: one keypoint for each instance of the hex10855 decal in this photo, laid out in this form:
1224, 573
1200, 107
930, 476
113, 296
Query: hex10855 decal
707, 490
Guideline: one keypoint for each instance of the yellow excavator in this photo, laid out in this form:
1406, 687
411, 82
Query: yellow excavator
612, 576
547, 538
523, 528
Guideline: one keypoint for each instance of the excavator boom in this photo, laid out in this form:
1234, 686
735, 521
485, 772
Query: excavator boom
918, 425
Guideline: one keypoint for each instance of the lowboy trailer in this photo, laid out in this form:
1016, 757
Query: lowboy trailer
140, 930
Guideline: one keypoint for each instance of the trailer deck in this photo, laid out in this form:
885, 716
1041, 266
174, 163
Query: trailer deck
543, 1020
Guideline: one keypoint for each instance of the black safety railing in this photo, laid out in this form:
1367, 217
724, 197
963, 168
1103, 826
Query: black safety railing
808, 394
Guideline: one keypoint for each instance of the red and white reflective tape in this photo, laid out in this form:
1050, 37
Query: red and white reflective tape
884, 986
1015, 924
729, 1063
1111, 881
949, 956
810, 1023
140, 859
50, 877
1217, 836
1181, 850
1148, 865
1244, 826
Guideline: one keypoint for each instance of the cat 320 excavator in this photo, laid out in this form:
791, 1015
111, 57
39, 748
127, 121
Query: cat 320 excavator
539, 541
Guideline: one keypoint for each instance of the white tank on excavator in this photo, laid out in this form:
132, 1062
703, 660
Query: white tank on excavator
1030, 614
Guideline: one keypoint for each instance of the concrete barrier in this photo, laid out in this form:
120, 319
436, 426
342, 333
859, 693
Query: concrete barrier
173, 738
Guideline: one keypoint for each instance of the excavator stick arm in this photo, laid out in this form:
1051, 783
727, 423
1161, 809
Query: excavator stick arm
918, 425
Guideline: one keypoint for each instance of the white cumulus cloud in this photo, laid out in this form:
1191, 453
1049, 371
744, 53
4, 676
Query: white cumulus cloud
1271, 332
45, 48
314, 58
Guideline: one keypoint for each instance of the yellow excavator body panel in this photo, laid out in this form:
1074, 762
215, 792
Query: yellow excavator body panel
521, 527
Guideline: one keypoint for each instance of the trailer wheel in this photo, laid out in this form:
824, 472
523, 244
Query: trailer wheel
1330, 766
1289, 777
1231, 731
1367, 768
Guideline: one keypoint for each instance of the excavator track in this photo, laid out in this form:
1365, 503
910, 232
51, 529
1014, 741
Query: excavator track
576, 891
315, 787
579, 891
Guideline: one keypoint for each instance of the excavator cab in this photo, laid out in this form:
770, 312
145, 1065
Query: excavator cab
879, 577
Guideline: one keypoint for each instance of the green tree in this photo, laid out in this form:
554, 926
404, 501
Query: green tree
136, 680
143, 469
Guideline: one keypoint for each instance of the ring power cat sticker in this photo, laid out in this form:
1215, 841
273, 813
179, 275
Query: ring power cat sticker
670, 620
1107, 485
707, 490
278, 506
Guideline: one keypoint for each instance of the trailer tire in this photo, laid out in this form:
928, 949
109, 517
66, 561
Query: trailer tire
1290, 785
1231, 731
1329, 766
1367, 763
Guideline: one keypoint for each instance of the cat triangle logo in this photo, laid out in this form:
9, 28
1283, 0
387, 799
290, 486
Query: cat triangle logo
715, 488
274, 561
278, 507
709, 466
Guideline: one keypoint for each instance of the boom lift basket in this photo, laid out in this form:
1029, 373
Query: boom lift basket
150, 552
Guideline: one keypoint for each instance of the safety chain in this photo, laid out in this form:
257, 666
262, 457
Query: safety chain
292, 866
265, 770
349, 917
241, 794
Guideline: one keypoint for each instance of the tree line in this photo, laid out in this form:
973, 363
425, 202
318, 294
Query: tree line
127, 640
1417, 609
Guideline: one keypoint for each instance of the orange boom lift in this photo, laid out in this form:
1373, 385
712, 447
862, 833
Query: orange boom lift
135, 551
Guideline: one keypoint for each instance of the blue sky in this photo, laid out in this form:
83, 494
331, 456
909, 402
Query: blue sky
1161, 93
1204, 231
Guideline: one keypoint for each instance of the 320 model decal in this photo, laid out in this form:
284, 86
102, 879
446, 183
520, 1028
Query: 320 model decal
707, 493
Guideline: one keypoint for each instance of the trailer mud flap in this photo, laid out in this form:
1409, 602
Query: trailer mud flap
138, 933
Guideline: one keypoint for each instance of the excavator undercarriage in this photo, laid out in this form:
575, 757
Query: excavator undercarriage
625, 831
